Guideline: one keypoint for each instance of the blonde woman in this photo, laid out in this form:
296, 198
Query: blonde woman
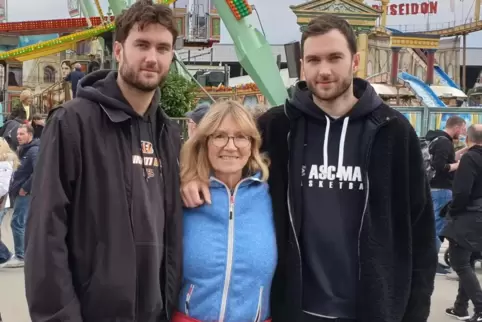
230, 250
8, 164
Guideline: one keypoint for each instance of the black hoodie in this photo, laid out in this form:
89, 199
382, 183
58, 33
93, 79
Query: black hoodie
332, 176
148, 219
443, 155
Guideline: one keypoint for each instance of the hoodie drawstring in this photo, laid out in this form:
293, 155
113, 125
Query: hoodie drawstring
341, 148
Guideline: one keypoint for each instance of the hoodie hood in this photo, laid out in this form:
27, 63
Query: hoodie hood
432, 134
368, 101
101, 87
302, 101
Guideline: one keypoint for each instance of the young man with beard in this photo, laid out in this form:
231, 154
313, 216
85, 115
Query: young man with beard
104, 233
352, 206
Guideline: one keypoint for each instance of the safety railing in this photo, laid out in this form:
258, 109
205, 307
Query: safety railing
424, 119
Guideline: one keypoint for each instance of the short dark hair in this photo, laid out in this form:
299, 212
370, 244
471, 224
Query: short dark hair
325, 23
454, 121
474, 135
144, 13
37, 117
28, 127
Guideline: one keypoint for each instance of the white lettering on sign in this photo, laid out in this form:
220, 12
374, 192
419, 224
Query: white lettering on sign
402, 9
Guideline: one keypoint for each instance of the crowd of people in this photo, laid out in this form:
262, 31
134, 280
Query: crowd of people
317, 210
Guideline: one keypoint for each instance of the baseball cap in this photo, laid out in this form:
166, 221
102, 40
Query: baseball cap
198, 113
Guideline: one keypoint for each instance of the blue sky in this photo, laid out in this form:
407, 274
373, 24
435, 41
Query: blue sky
278, 20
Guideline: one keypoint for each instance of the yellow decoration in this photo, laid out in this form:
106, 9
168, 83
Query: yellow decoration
72, 38
166, 2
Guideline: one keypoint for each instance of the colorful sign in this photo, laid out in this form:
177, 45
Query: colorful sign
420, 15
3, 10
410, 8
74, 8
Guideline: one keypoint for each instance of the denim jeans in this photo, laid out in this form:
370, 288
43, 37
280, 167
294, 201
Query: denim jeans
4, 252
440, 198
469, 286
19, 219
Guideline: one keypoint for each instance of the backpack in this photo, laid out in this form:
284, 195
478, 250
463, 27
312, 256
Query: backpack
425, 145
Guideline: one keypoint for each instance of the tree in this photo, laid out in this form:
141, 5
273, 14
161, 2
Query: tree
178, 95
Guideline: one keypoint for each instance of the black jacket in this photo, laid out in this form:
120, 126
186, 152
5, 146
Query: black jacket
464, 223
443, 154
80, 246
22, 177
9, 132
397, 256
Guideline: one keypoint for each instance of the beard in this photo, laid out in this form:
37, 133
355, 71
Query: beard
131, 76
339, 89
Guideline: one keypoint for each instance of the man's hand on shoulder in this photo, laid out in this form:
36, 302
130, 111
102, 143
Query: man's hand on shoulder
195, 193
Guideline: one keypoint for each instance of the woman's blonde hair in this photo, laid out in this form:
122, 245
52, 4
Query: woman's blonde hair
195, 163
25, 94
6, 154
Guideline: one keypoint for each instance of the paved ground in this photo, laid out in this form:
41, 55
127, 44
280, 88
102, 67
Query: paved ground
14, 309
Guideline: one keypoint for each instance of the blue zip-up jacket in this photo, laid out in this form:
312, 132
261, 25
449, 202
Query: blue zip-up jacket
230, 254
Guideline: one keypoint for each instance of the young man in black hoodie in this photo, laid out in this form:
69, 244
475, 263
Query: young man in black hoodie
464, 227
445, 162
352, 208
104, 235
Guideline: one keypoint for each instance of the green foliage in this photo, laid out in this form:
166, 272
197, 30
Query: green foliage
178, 95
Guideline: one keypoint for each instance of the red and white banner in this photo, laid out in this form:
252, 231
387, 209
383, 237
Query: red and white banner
74, 8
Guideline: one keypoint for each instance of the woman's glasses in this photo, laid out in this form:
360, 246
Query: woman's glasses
221, 140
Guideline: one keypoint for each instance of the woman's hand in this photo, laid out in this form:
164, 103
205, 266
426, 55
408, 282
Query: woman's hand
195, 193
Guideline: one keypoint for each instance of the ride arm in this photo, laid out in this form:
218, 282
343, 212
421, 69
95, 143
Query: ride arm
254, 54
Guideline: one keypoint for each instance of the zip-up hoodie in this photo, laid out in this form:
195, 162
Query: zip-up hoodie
148, 217
443, 154
334, 197
230, 254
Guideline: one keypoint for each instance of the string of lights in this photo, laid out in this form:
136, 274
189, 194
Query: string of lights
240, 8
75, 37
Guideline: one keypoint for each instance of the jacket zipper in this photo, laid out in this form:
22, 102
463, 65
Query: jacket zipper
166, 239
291, 215
188, 299
367, 193
229, 262
259, 311
136, 305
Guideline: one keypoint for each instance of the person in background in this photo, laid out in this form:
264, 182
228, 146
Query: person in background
195, 116
38, 124
352, 210
9, 130
464, 227
104, 235
20, 191
74, 77
444, 161
222, 239
26, 102
94, 64
8, 164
